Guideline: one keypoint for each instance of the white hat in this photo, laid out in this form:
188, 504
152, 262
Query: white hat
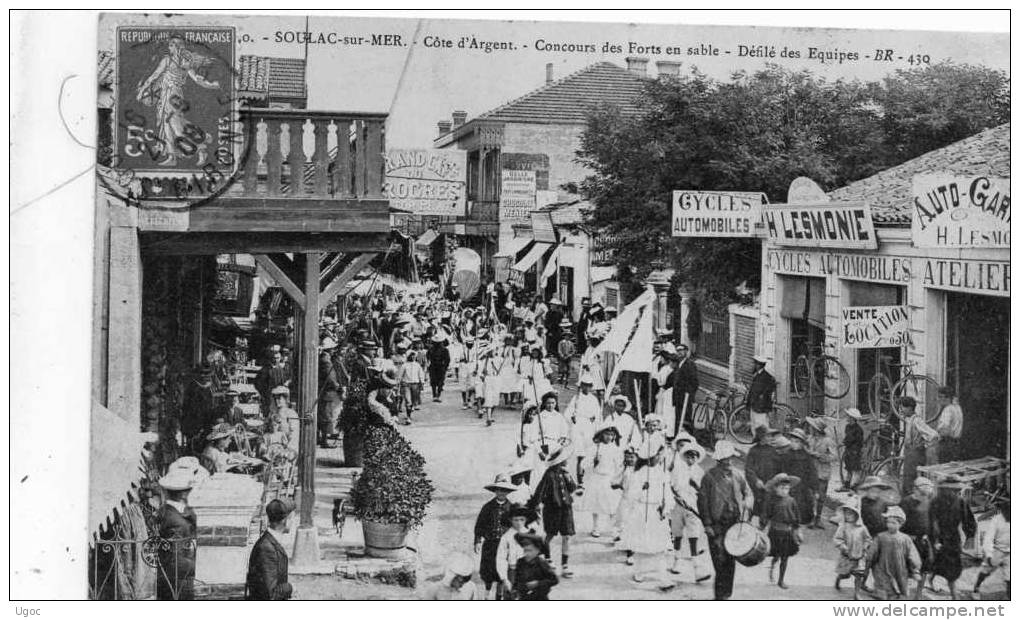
724, 449
184, 473
760, 359
651, 446
691, 447
668, 347
556, 300
853, 412
619, 397
586, 378
560, 456
327, 343
460, 564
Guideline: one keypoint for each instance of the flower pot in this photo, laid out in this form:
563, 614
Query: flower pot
384, 540
354, 449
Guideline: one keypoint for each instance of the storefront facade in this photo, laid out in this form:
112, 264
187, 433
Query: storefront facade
954, 300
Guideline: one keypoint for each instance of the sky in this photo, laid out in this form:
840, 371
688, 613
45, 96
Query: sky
420, 82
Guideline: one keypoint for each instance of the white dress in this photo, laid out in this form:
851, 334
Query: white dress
685, 481
468, 365
664, 399
490, 368
535, 379
583, 412
601, 468
591, 363
509, 380
645, 530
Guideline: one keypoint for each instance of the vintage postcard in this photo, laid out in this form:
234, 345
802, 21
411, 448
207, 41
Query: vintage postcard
434, 309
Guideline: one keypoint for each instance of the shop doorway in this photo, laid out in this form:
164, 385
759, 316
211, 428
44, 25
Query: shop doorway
803, 307
977, 367
869, 361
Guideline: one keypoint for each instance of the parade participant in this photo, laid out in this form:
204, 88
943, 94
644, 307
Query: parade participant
996, 549
893, 558
685, 525
491, 523
917, 438
873, 504
267, 564
491, 364
533, 576
554, 496
853, 445
663, 383
621, 417
822, 449
723, 500
509, 550
760, 393
852, 540
797, 462
530, 332
646, 533
508, 378
554, 324
290, 420
581, 328
412, 379
781, 518
949, 426
603, 468
917, 525
329, 392
628, 498
584, 413
456, 584
177, 524
762, 462
468, 371
549, 429
685, 388
949, 515
564, 352
592, 362
536, 372
439, 363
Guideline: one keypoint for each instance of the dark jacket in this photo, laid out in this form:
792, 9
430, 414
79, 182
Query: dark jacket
175, 578
534, 570
722, 498
801, 464
685, 381
761, 391
267, 571
439, 360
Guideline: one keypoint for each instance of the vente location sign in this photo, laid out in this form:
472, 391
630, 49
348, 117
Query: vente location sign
829, 225
715, 214
875, 327
960, 212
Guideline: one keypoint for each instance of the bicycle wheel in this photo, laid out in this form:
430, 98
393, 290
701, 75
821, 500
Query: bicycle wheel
801, 376
921, 388
879, 396
739, 425
830, 376
784, 418
890, 470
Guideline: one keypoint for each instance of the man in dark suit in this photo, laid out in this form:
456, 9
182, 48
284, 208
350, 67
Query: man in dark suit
760, 394
267, 566
685, 384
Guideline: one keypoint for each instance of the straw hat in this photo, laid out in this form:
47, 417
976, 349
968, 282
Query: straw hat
184, 473
561, 455
605, 426
724, 449
692, 447
853, 504
873, 481
501, 483
683, 437
760, 359
621, 397
797, 434
327, 344
565, 323
894, 512
779, 479
586, 378
853, 412
280, 390
389, 377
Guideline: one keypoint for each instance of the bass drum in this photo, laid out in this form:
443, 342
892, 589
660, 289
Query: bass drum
467, 267
747, 544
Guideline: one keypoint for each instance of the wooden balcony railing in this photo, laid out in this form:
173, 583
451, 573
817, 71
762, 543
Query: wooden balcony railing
301, 154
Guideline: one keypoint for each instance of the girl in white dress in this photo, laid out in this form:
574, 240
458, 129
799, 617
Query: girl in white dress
467, 365
603, 468
646, 532
509, 380
490, 364
536, 373
584, 412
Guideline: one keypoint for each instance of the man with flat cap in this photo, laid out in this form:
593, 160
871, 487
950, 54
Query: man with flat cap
267, 565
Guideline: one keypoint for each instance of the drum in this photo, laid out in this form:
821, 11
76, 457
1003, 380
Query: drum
747, 544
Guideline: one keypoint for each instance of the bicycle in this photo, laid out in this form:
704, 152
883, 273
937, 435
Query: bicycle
820, 371
782, 417
883, 394
711, 414
880, 453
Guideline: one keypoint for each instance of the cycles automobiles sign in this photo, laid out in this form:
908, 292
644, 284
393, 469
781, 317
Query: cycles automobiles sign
960, 212
715, 214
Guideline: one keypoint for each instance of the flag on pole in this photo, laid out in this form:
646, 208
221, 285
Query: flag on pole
637, 352
624, 325
551, 265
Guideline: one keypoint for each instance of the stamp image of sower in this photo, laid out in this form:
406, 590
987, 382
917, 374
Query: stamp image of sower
177, 132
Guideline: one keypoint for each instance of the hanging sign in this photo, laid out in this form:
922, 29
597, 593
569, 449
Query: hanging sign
542, 227
875, 327
715, 214
833, 225
426, 181
960, 212
517, 195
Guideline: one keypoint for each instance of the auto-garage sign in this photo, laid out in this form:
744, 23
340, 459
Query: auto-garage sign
960, 212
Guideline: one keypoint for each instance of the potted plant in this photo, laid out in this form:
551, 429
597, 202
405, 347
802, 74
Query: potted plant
391, 495
353, 423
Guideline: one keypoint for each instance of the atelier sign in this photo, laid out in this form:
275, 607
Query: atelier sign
715, 214
426, 181
837, 225
875, 327
970, 276
960, 212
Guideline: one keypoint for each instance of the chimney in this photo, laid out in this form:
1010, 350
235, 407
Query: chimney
668, 68
459, 116
548, 73
444, 127
637, 65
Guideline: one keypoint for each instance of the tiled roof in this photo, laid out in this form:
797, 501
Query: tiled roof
889, 191
569, 99
105, 69
261, 76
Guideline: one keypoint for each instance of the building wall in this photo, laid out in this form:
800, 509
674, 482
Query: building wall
559, 142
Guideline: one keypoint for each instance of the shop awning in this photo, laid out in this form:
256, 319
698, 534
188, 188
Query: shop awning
601, 274
115, 467
426, 238
514, 246
532, 256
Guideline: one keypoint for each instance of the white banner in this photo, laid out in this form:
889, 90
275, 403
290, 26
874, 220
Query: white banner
715, 214
960, 212
426, 181
875, 327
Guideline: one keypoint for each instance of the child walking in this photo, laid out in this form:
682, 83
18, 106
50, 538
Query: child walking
565, 353
490, 525
413, 378
781, 518
533, 576
685, 481
646, 532
996, 550
893, 558
852, 540
467, 366
509, 550
603, 469
555, 495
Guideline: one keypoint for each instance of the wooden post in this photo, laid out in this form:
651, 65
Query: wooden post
306, 546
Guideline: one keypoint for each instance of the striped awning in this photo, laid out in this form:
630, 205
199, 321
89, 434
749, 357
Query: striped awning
532, 257
513, 246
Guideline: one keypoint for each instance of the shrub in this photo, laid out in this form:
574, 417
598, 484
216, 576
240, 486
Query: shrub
393, 487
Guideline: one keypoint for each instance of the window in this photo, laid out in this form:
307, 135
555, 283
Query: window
713, 343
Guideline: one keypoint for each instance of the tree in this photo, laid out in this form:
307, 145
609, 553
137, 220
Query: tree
757, 132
